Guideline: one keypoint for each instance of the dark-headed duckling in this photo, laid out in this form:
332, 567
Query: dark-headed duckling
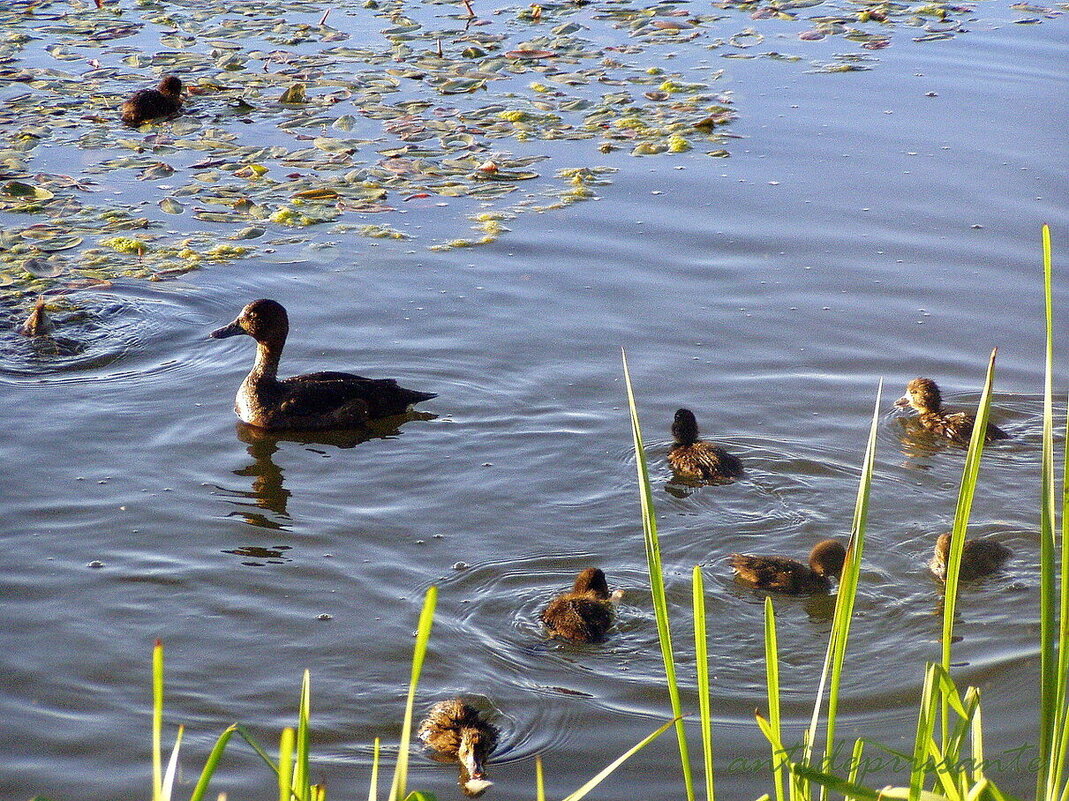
315, 401
585, 613
978, 558
455, 730
924, 396
37, 324
779, 574
147, 104
691, 457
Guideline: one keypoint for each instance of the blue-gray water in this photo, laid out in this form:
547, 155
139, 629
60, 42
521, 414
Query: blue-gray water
867, 225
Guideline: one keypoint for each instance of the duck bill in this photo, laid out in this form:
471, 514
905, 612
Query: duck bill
231, 330
473, 767
902, 402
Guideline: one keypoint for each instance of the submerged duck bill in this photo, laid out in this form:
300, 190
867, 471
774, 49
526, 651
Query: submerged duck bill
231, 330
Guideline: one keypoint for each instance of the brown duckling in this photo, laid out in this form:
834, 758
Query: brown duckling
37, 324
147, 104
456, 731
924, 396
978, 558
691, 457
585, 613
310, 402
779, 574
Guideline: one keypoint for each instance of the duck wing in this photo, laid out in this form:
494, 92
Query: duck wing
327, 391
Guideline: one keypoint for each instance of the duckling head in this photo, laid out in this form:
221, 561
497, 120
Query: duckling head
170, 85
471, 753
264, 320
942, 549
923, 395
592, 580
685, 427
827, 558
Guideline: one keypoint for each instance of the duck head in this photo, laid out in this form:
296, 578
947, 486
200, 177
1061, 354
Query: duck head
592, 580
472, 753
170, 85
923, 395
827, 558
685, 427
263, 320
942, 549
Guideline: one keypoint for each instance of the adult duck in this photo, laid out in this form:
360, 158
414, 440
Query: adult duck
585, 613
315, 401
923, 395
695, 458
780, 574
147, 104
978, 558
455, 730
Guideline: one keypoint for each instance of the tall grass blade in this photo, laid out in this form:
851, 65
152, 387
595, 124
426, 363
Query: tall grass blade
300, 778
373, 792
656, 573
259, 749
961, 521
172, 767
540, 782
855, 765
772, 679
423, 633
213, 761
157, 721
701, 654
602, 774
285, 764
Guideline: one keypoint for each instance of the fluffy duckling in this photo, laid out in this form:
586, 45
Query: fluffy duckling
585, 613
37, 324
147, 104
310, 402
924, 396
691, 457
978, 558
456, 731
779, 574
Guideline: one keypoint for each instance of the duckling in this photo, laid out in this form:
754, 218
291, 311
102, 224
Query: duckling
924, 396
691, 457
978, 558
780, 574
310, 402
146, 104
455, 730
585, 613
37, 324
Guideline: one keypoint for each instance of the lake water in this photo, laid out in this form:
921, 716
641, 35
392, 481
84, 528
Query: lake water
868, 224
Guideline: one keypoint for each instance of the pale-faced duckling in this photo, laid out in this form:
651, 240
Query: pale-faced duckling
978, 558
585, 613
310, 402
147, 104
455, 730
924, 396
779, 574
691, 457
37, 324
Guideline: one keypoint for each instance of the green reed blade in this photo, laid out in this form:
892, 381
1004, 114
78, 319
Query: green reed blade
701, 654
977, 737
925, 723
300, 779
961, 520
540, 782
855, 765
1048, 680
423, 634
213, 761
600, 777
259, 749
772, 681
656, 573
373, 792
157, 721
285, 764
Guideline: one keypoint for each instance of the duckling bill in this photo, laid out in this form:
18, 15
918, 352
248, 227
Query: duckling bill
695, 458
923, 395
978, 558
780, 574
316, 401
585, 613
455, 730
146, 104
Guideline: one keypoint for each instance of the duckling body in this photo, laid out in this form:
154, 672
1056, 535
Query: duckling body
780, 574
37, 324
585, 613
456, 730
923, 395
978, 558
147, 104
691, 457
316, 401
